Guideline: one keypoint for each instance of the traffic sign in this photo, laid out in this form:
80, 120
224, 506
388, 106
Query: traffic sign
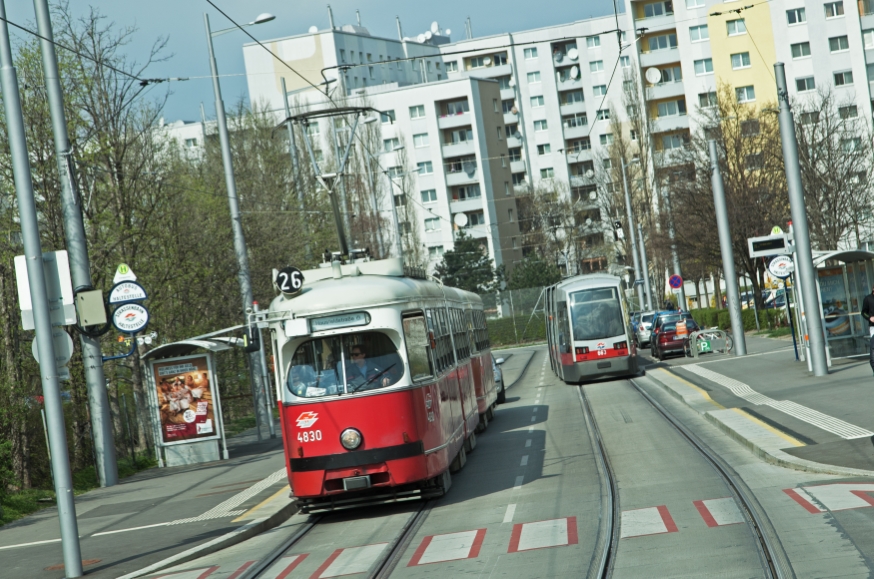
130, 318
781, 266
63, 351
124, 273
675, 281
289, 280
126, 292
59, 289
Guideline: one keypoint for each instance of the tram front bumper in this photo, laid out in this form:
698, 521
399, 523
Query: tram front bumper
620, 366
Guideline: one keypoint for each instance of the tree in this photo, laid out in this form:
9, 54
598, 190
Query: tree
533, 271
467, 266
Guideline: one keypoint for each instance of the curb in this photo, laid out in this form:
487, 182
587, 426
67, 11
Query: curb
769, 454
236, 536
522, 373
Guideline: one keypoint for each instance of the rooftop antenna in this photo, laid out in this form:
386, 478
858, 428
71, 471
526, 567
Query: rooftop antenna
469, 29
330, 17
358, 15
400, 30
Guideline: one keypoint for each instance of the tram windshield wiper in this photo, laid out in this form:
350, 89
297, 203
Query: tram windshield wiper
372, 379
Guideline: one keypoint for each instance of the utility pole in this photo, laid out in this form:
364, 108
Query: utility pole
77, 249
803, 255
295, 165
737, 325
41, 314
649, 302
682, 305
394, 215
632, 236
236, 225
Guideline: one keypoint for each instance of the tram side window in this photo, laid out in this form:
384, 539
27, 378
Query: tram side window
563, 328
441, 335
470, 320
483, 331
462, 348
418, 347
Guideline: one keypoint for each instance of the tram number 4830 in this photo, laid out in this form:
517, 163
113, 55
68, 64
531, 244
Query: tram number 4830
309, 435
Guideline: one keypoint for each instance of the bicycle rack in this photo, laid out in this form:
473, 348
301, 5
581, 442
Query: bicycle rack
715, 340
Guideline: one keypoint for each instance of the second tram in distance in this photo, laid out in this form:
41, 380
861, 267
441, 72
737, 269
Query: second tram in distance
586, 329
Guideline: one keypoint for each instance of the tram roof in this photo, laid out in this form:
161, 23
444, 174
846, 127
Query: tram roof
586, 280
362, 286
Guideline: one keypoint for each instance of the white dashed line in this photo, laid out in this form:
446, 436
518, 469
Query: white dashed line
528, 443
519, 480
533, 418
524, 461
508, 516
535, 411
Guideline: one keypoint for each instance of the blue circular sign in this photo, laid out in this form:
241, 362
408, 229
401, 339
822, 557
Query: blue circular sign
675, 281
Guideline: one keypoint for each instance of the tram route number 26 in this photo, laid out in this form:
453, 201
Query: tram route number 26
309, 435
289, 280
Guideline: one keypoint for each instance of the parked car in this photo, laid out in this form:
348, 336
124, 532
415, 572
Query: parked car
499, 379
635, 321
664, 338
644, 329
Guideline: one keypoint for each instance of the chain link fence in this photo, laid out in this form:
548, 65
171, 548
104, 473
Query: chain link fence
515, 316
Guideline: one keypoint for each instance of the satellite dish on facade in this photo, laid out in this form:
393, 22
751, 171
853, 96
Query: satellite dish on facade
575, 72
420, 39
653, 75
487, 60
573, 53
593, 195
514, 110
517, 135
435, 28
512, 81
447, 32
428, 35
558, 57
313, 29
460, 219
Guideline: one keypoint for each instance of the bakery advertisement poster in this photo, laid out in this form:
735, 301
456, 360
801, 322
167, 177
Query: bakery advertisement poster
187, 399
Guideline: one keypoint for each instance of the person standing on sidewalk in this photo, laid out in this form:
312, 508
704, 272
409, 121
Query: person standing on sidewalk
868, 315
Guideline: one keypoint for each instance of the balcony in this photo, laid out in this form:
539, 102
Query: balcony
462, 177
510, 118
659, 57
568, 83
561, 58
508, 93
578, 156
475, 231
672, 123
454, 121
663, 91
656, 22
575, 132
462, 149
572, 108
466, 205
580, 181
518, 166
514, 142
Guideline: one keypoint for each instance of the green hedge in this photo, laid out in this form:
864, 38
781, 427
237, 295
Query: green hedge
501, 332
710, 317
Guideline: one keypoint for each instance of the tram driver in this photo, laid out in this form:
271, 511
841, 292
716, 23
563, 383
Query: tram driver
364, 374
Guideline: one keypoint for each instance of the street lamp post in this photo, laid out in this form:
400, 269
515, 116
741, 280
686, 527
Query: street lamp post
632, 240
237, 225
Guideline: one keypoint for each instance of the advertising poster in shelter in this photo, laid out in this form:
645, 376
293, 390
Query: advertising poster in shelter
186, 399
835, 309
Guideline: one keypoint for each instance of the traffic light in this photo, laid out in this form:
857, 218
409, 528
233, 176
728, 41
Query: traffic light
617, 230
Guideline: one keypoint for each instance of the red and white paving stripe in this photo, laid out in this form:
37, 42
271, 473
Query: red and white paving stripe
719, 512
543, 534
647, 521
448, 547
833, 497
349, 561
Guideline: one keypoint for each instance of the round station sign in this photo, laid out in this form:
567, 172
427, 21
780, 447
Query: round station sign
675, 281
126, 291
781, 266
130, 318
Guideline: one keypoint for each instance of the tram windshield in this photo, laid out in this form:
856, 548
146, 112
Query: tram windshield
338, 365
596, 314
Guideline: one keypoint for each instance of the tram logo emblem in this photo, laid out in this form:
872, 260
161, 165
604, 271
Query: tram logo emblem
602, 346
307, 419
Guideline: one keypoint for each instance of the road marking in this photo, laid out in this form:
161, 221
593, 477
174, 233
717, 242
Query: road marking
535, 410
719, 512
813, 417
524, 461
199, 573
30, 544
790, 439
519, 480
448, 547
530, 429
543, 534
508, 515
533, 418
242, 568
527, 443
648, 521
349, 561
833, 497
249, 513
297, 560
228, 507
130, 529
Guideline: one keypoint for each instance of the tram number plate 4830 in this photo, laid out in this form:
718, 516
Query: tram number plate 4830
309, 435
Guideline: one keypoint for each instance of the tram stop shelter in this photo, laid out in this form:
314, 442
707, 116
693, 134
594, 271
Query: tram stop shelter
843, 279
182, 390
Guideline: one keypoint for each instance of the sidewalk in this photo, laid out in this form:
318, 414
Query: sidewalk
823, 424
157, 513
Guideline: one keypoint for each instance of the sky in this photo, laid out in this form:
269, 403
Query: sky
181, 22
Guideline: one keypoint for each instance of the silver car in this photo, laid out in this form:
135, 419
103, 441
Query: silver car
644, 329
499, 379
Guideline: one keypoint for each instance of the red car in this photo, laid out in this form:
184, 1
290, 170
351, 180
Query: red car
664, 338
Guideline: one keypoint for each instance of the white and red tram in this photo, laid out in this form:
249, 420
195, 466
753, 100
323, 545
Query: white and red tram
383, 381
587, 329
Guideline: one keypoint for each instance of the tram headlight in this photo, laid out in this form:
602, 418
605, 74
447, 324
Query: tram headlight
350, 439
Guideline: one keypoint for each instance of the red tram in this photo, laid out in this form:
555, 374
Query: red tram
383, 379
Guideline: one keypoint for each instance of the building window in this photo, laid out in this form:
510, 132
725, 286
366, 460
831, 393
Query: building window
596, 66
844, 78
593, 41
400, 200
478, 62
868, 39
370, 71
698, 33
625, 61
632, 134
500, 131
515, 243
515, 154
806, 83
503, 160
510, 215
670, 142
342, 55
579, 145
694, 3
607, 139
417, 112
745, 94
801, 50
429, 196
507, 106
740, 60
671, 108
425, 168
547, 173
703, 66
190, 143
406, 229
540, 126
530, 53
754, 161
457, 107
544, 149
796, 16
572, 96
606, 163
511, 130
495, 104
577, 120
432, 224
452, 66
663, 42
707, 99
536, 101
519, 179
389, 145
736, 27
533, 77
387, 117
834, 9
603, 114
838, 44
435, 251
809, 118
848, 112
506, 188
599, 89
671, 74
658, 9
467, 192
420, 140
851, 144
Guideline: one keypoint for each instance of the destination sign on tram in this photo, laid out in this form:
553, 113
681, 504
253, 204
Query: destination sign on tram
339, 321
